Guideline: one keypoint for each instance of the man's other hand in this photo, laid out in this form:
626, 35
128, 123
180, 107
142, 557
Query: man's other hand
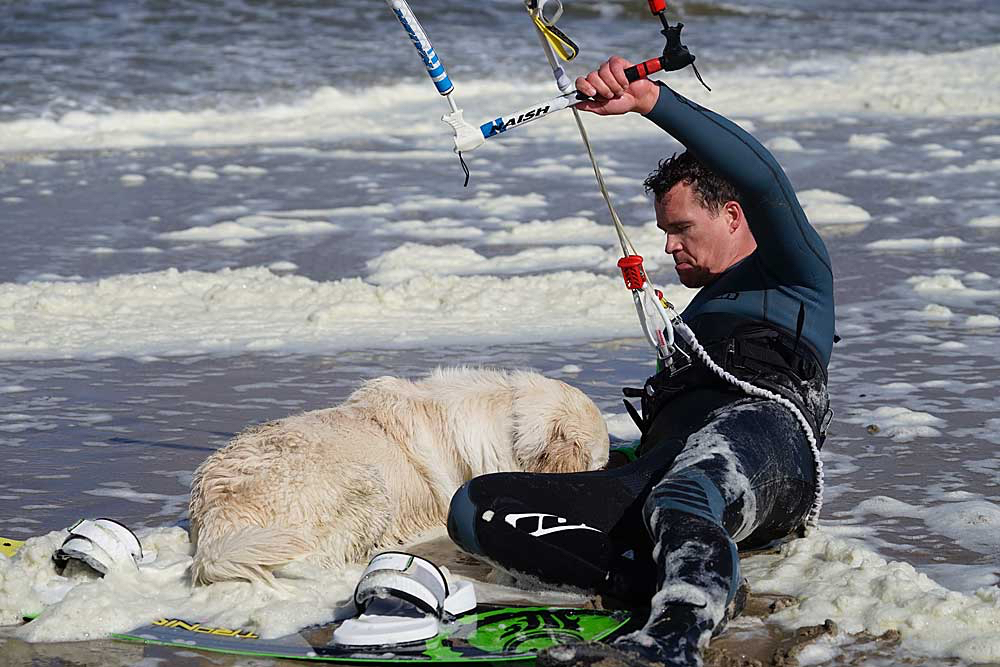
612, 92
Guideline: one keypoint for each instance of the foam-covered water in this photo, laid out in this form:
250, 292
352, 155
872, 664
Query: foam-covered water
223, 213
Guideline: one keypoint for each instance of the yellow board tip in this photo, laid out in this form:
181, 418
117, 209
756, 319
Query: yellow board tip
9, 547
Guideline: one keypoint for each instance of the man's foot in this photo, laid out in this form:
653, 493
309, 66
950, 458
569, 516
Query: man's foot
735, 608
675, 649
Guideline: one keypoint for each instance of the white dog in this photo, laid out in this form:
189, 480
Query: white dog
337, 485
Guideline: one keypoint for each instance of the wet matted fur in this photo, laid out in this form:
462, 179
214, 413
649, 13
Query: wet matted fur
336, 485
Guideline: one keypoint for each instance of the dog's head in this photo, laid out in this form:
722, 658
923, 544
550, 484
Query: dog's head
557, 428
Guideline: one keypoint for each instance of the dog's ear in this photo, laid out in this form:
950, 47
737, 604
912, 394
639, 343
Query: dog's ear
563, 450
557, 428
568, 441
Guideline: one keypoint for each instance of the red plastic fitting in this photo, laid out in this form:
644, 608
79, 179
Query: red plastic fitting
631, 266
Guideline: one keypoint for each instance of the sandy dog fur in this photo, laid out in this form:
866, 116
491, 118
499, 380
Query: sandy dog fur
339, 484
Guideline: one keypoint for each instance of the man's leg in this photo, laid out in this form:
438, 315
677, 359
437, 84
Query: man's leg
585, 530
747, 475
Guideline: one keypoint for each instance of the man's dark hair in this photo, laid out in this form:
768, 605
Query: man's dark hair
711, 190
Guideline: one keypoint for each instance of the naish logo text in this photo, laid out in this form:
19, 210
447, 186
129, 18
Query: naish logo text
204, 629
500, 125
427, 55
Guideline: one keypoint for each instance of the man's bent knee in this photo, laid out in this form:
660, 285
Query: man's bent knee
688, 491
462, 521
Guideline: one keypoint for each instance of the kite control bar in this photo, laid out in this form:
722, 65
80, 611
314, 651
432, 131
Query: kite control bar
675, 55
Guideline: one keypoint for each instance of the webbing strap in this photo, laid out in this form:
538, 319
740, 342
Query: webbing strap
406, 577
557, 39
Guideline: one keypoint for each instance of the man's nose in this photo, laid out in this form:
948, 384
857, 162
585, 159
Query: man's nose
673, 245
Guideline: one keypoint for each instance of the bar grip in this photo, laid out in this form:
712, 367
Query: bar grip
643, 69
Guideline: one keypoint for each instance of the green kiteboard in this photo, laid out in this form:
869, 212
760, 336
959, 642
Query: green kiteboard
486, 634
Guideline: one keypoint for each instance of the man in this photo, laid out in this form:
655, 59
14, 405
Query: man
717, 466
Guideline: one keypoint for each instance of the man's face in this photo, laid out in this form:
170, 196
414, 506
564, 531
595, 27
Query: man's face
701, 243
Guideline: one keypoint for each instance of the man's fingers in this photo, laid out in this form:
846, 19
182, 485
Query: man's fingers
617, 66
610, 81
601, 88
609, 87
584, 87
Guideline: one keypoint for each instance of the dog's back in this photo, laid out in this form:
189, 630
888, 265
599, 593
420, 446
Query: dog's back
313, 482
337, 484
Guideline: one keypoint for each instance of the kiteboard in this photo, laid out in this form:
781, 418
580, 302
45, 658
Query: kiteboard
486, 634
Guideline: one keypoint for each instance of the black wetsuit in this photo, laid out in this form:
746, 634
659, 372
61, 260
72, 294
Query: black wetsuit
717, 466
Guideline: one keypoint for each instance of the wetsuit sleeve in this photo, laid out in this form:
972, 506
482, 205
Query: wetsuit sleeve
786, 242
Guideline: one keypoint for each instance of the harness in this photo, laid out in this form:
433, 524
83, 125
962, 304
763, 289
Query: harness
759, 353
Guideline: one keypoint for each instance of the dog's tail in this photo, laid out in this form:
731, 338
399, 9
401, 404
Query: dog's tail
247, 553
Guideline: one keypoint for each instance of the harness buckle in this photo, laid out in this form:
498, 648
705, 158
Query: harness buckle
825, 422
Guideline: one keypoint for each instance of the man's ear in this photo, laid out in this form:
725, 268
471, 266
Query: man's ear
733, 214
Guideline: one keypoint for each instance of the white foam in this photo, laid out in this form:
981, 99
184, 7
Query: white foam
840, 580
558, 168
132, 179
362, 212
573, 229
126, 600
976, 167
203, 172
932, 312
887, 84
243, 170
939, 243
982, 322
786, 144
899, 423
823, 207
438, 228
941, 153
985, 221
946, 287
234, 311
973, 524
250, 227
869, 142
283, 266
413, 259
